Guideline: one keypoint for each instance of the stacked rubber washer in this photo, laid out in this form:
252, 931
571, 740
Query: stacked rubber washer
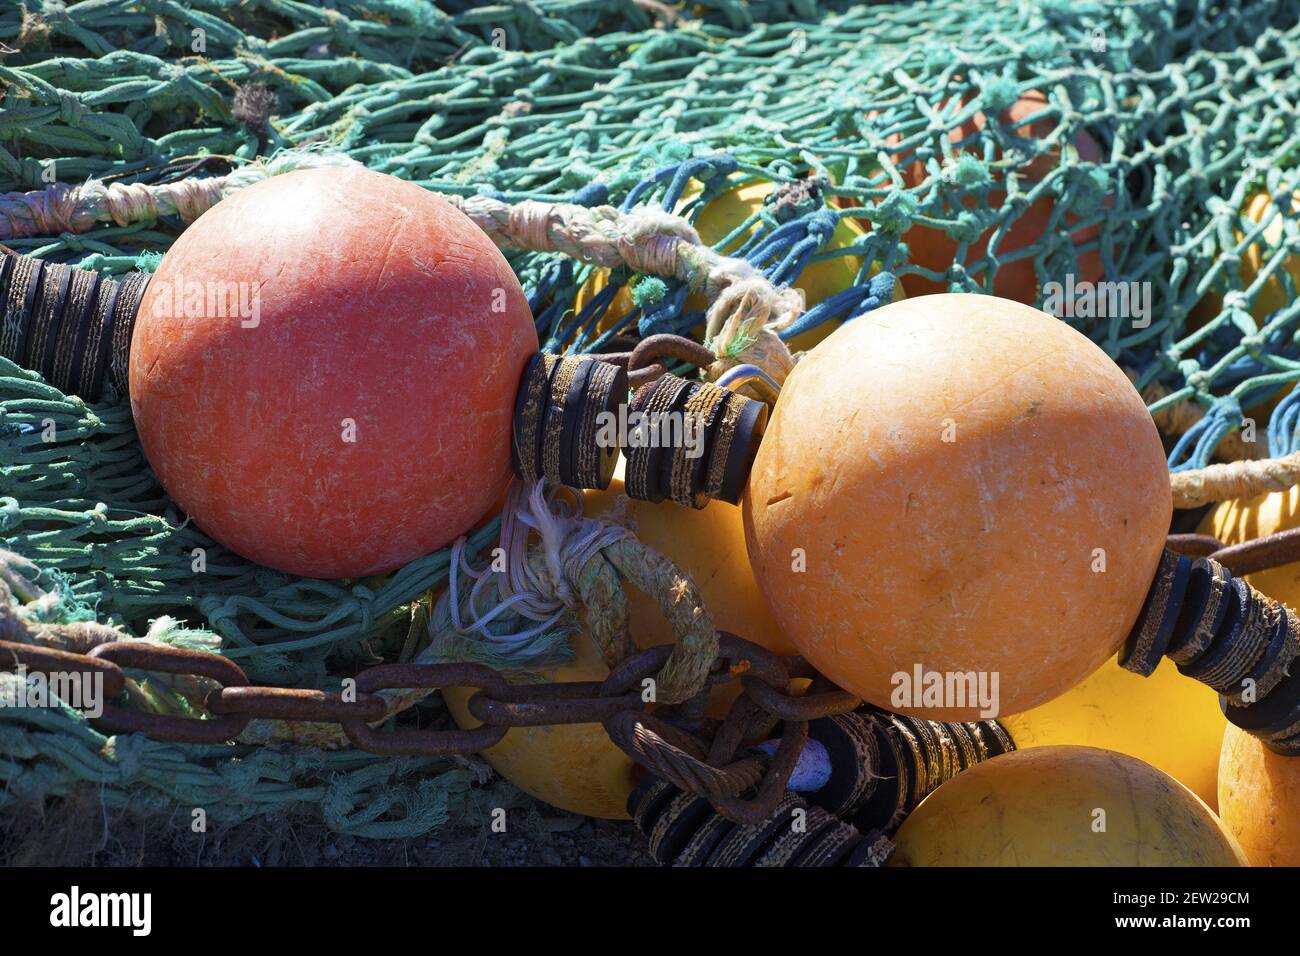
71, 325
881, 766
559, 422
686, 441
727, 428
1221, 631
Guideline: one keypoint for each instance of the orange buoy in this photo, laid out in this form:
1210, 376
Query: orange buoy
1259, 799
935, 250
960, 485
324, 368
1063, 806
576, 767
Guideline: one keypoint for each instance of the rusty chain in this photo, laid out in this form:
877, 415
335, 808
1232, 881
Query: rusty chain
1260, 554
643, 362
711, 759
677, 742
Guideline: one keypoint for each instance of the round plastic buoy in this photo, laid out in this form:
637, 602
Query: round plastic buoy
323, 372
574, 767
577, 767
1167, 720
1259, 799
1273, 295
1063, 806
935, 250
709, 545
959, 487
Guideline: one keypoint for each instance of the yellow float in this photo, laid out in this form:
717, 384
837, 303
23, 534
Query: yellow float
1259, 798
1273, 295
1167, 720
1064, 806
718, 219
1234, 522
576, 767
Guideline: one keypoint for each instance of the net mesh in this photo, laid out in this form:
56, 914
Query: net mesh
1024, 148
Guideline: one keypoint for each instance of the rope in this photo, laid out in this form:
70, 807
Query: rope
644, 240
575, 564
60, 208
1238, 479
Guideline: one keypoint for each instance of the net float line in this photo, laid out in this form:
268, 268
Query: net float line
1220, 630
1236, 479
75, 328
647, 240
746, 313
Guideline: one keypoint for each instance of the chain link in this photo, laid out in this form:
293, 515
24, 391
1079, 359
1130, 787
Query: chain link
1260, 554
709, 758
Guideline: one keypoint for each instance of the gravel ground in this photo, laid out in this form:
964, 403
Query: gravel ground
79, 832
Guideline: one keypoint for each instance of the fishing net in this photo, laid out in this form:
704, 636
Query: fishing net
1150, 132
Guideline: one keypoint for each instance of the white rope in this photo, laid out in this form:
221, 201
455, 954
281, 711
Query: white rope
538, 590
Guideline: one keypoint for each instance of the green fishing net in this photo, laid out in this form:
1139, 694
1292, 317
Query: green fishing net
1025, 148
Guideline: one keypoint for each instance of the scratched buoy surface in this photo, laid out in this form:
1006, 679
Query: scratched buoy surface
1063, 806
962, 484
324, 370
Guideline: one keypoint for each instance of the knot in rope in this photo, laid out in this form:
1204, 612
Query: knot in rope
71, 109
575, 566
649, 239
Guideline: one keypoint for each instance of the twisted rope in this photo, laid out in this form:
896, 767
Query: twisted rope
1237, 479
743, 302
558, 562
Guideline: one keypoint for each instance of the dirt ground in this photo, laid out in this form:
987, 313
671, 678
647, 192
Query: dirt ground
80, 832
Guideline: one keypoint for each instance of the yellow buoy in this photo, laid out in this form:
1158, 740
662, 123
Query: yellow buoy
1259, 798
719, 218
571, 766
1170, 721
1064, 806
709, 544
1234, 522
1271, 297
576, 767
1273, 294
